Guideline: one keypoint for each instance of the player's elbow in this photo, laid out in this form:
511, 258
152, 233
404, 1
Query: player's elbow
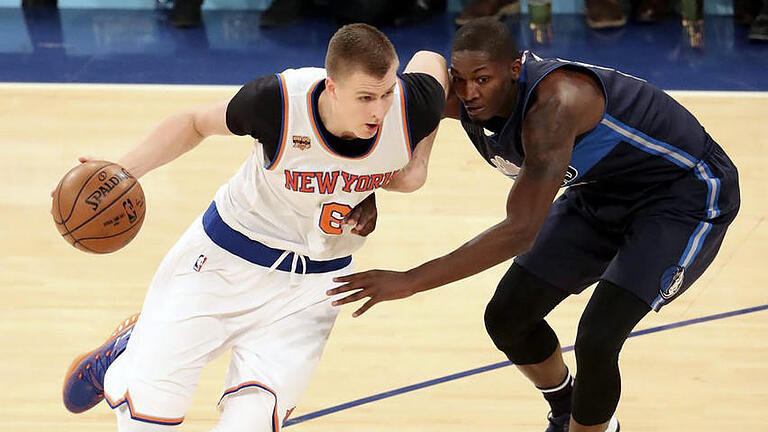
432, 56
406, 185
520, 239
410, 178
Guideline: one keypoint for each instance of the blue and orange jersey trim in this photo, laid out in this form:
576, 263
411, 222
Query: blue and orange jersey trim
256, 384
283, 124
142, 417
313, 120
404, 113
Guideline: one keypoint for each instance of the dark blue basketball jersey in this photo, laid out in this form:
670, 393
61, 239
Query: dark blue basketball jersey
645, 136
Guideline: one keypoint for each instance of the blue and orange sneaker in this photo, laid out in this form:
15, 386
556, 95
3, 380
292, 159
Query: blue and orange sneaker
84, 381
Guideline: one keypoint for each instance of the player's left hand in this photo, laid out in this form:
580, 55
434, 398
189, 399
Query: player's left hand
379, 285
363, 216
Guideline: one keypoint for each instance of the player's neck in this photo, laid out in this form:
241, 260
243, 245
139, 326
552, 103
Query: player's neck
511, 101
327, 116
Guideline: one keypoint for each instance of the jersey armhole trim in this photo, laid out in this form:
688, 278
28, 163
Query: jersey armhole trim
283, 124
404, 114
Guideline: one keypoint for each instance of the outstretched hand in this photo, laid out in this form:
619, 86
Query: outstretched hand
378, 285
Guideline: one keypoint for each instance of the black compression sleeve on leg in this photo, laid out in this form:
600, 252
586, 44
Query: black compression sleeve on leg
514, 318
609, 317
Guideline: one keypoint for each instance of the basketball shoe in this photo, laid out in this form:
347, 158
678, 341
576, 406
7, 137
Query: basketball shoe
561, 423
84, 381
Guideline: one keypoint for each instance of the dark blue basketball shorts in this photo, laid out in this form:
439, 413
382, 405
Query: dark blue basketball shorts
654, 243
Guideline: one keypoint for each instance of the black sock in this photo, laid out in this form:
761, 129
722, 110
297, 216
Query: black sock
559, 396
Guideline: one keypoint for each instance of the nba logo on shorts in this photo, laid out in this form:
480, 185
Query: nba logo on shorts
199, 263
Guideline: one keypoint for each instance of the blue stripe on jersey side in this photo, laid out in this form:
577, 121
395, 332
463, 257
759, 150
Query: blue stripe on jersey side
650, 145
696, 240
593, 147
695, 243
713, 189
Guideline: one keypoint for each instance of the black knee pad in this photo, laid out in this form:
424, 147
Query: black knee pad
514, 318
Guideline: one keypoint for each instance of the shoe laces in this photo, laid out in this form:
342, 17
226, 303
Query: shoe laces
96, 366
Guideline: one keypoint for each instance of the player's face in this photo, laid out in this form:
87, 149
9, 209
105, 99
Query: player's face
485, 87
363, 100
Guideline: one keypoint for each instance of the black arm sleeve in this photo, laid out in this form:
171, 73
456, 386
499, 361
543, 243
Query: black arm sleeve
424, 103
257, 110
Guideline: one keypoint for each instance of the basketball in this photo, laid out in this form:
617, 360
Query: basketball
98, 207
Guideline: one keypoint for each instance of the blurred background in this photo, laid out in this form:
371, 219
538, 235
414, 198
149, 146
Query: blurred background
677, 44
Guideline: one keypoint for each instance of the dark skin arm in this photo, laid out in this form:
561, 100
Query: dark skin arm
363, 217
452, 109
566, 104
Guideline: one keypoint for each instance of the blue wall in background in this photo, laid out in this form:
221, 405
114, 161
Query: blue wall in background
711, 7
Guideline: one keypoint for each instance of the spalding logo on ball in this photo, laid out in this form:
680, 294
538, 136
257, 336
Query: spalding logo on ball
98, 207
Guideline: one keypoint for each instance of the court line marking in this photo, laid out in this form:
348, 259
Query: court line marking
232, 87
470, 372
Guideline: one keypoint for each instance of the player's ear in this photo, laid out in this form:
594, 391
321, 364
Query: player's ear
515, 68
330, 87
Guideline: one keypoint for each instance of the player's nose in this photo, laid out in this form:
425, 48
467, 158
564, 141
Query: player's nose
379, 111
471, 92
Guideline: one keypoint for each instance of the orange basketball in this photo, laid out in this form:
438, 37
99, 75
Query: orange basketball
98, 207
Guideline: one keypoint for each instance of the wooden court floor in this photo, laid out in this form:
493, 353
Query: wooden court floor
57, 301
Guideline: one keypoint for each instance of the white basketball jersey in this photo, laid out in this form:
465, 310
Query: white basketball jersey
296, 201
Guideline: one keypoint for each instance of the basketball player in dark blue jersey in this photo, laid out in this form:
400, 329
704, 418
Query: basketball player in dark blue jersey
649, 200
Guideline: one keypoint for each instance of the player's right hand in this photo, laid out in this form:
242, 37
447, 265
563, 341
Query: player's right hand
81, 159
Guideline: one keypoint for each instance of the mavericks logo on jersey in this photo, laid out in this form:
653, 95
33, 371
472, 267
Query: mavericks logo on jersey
506, 167
511, 170
570, 175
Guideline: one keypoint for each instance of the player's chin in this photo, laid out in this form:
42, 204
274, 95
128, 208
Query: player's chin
479, 115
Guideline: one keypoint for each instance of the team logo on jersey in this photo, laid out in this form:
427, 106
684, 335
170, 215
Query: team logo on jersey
672, 281
506, 167
301, 142
570, 175
199, 262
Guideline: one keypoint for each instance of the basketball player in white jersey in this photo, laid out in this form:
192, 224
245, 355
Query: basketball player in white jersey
250, 274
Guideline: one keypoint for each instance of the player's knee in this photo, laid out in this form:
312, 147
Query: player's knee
509, 316
504, 324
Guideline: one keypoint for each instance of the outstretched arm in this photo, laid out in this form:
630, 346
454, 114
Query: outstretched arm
558, 114
175, 136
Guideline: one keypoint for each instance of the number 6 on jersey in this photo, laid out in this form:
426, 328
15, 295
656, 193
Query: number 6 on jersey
332, 217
